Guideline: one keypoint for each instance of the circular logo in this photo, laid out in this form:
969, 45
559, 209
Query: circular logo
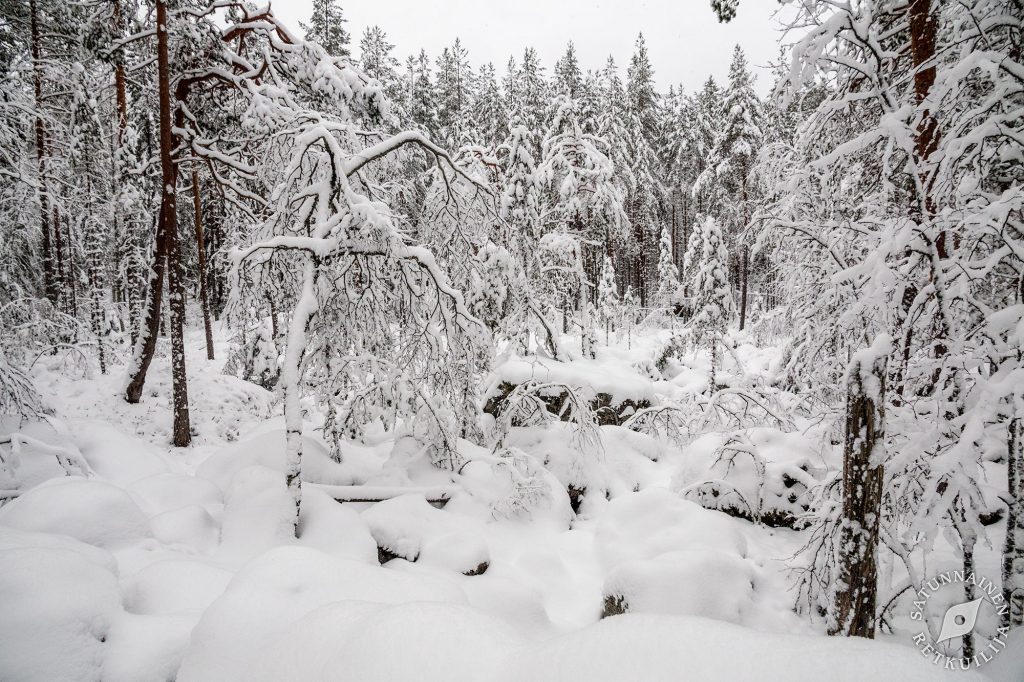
939, 608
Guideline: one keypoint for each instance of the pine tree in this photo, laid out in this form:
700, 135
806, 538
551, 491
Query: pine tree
611, 128
489, 113
668, 294
421, 100
568, 77
453, 90
731, 160
707, 125
531, 94
712, 295
376, 60
642, 129
327, 27
608, 304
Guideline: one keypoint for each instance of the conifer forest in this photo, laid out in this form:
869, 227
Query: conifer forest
325, 359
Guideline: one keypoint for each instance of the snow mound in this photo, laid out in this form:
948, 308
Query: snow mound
169, 491
174, 587
309, 648
414, 642
657, 647
334, 528
58, 606
696, 582
276, 589
146, 648
513, 601
258, 514
190, 526
266, 448
117, 456
17, 539
653, 522
409, 527
411, 642
89, 510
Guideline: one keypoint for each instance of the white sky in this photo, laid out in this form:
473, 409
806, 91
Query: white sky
685, 40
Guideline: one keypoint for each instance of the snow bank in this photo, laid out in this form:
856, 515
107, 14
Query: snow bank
655, 648
89, 510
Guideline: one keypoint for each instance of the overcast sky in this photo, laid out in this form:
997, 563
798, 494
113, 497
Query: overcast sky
685, 40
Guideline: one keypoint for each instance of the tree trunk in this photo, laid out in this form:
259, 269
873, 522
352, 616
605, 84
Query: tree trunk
94, 266
166, 257
1013, 547
291, 384
922, 49
197, 206
856, 591
60, 284
72, 276
744, 275
744, 254
49, 282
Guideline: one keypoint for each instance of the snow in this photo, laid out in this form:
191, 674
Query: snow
619, 381
410, 528
689, 582
657, 647
95, 512
276, 589
182, 564
654, 522
59, 605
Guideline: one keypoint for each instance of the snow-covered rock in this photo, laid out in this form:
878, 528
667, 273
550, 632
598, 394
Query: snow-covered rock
410, 528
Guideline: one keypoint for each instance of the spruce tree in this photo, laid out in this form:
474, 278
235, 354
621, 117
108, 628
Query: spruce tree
327, 27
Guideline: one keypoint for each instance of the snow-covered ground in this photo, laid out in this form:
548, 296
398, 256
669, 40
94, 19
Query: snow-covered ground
164, 564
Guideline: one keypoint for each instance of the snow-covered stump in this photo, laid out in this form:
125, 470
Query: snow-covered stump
863, 451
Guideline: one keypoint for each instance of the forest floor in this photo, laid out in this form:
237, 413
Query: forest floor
162, 563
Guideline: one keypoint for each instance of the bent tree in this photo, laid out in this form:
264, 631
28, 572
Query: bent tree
373, 316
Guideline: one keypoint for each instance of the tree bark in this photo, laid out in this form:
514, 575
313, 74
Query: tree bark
49, 282
856, 590
197, 206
